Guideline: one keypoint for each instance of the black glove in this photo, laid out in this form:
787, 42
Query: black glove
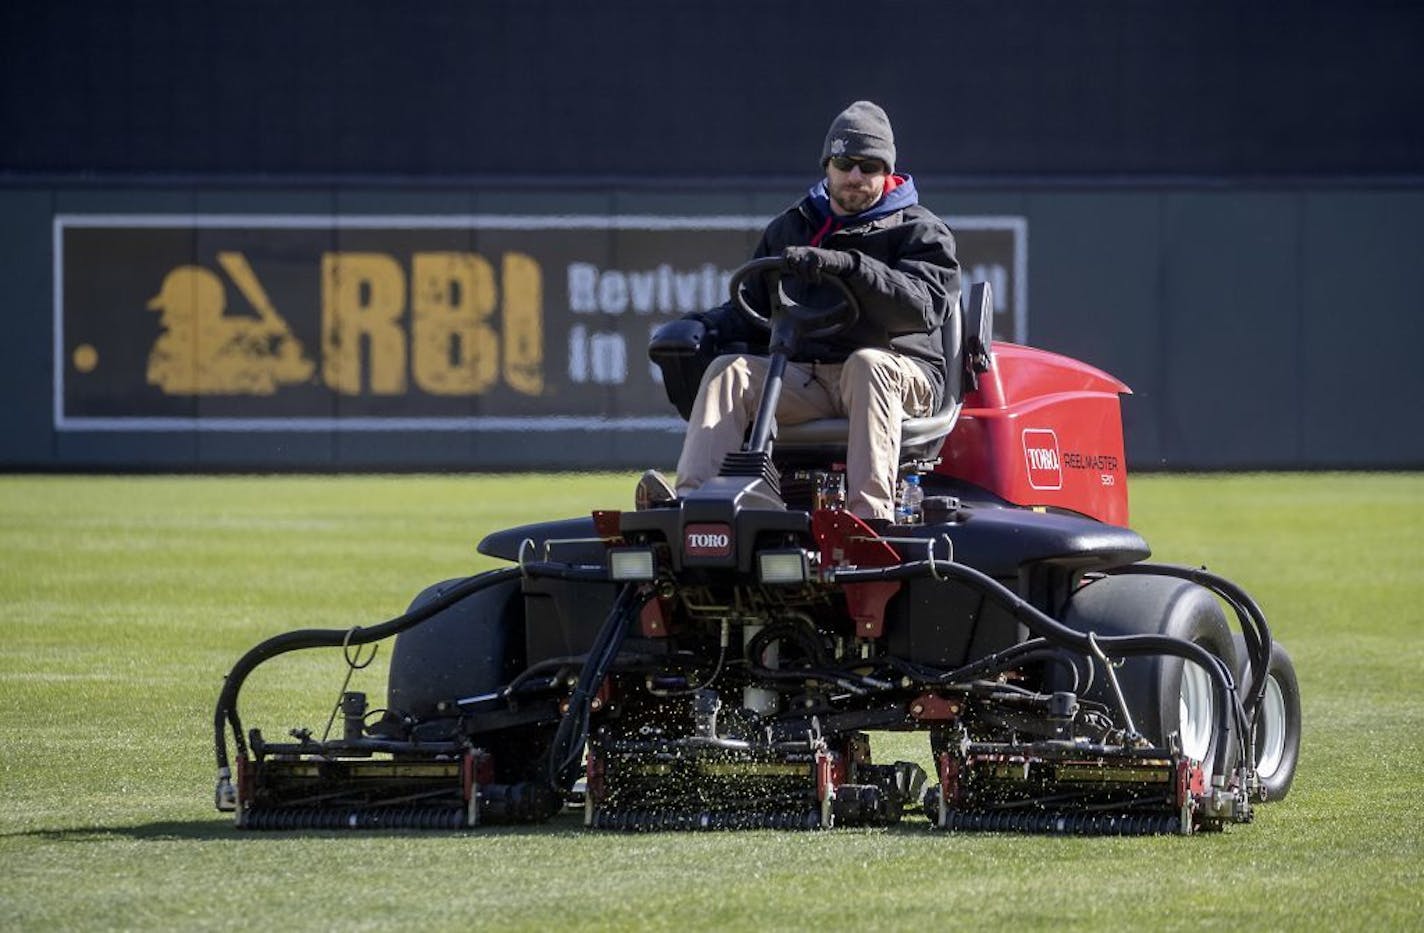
810, 263
710, 320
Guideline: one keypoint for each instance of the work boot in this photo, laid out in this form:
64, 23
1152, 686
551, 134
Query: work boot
653, 491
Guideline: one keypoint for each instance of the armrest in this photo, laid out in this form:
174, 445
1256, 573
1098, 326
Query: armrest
680, 338
978, 333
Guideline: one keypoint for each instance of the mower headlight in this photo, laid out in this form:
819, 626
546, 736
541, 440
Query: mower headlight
631, 563
788, 566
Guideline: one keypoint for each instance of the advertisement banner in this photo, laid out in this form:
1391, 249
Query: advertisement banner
388, 322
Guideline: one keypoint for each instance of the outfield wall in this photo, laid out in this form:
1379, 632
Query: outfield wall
180, 327
671, 88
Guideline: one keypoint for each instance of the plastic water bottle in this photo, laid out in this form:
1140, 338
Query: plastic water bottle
907, 510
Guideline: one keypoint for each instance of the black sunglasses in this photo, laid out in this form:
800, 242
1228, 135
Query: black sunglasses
867, 166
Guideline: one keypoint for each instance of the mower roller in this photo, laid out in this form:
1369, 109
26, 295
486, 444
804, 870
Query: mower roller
721, 660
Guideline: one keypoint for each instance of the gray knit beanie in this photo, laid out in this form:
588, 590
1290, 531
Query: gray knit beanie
861, 131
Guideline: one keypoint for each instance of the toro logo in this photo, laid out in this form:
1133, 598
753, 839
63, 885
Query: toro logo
1045, 464
707, 540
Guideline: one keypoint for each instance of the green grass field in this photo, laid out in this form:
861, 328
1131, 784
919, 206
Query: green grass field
123, 601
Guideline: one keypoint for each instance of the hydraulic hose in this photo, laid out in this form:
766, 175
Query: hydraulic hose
1254, 630
226, 715
846, 677
226, 712
566, 750
1056, 632
1037, 649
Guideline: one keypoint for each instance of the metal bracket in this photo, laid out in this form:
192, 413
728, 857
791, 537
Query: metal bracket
1108, 667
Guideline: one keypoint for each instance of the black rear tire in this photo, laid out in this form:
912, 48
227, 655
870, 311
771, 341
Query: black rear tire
1165, 694
1278, 724
468, 649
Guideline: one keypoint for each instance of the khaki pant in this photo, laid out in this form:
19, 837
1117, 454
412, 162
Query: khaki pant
873, 389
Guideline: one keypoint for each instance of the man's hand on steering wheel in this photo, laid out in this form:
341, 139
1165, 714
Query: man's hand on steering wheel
809, 320
810, 263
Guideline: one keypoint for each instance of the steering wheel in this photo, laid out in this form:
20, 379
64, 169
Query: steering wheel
812, 321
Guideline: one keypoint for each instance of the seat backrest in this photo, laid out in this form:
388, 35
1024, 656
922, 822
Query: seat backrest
824, 439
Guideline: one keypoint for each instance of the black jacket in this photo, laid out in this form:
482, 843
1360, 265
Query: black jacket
905, 276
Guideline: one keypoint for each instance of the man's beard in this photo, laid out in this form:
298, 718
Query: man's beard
854, 200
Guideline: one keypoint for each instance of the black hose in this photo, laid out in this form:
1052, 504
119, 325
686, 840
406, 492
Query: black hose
778, 632
848, 681
566, 750
540, 667
1047, 627
226, 711
1255, 633
1254, 629
1036, 649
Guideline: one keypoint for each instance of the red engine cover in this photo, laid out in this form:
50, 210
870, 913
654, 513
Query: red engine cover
1043, 430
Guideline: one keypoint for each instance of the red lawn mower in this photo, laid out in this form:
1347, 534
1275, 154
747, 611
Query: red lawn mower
721, 660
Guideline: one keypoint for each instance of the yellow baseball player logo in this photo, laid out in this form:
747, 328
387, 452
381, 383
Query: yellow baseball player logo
205, 351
